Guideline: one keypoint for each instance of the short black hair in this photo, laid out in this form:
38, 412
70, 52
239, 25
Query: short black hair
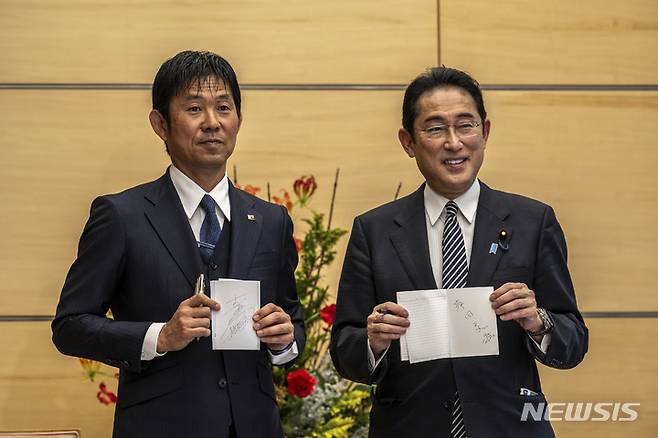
438, 77
178, 73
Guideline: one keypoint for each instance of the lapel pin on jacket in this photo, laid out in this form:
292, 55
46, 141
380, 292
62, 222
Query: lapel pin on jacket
493, 248
503, 239
251, 217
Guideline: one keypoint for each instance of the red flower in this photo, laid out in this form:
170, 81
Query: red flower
327, 313
300, 383
104, 396
304, 187
298, 244
285, 200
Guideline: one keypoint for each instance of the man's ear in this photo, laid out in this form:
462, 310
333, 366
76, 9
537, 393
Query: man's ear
486, 129
407, 142
159, 124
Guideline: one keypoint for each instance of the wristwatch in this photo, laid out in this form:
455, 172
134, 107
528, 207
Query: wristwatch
546, 320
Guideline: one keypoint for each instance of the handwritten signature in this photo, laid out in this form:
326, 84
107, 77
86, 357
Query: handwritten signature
487, 336
239, 318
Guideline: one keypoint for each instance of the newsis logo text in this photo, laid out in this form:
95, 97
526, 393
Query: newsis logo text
581, 411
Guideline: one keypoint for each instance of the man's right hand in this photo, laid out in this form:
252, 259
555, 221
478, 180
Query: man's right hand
191, 320
387, 321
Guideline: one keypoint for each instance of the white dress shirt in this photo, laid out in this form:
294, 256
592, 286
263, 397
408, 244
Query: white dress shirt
435, 216
190, 195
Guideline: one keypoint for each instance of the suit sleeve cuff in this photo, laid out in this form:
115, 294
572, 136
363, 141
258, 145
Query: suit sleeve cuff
372, 363
545, 342
150, 345
284, 356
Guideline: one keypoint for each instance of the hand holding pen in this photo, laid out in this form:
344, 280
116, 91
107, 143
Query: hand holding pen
191, 321
388, 321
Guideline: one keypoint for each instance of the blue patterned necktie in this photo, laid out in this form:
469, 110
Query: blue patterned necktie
210, 229
455, 270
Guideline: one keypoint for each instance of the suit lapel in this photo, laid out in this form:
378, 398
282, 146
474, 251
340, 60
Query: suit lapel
166, 215
489, 222
410, 242
246, 225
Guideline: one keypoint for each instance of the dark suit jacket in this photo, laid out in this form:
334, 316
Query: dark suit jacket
388, 252
138, 256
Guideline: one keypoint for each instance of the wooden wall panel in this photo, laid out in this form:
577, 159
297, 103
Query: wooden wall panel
619, 367
298, 41
556, 42
59, 150
39, 388
590, 155
42, 389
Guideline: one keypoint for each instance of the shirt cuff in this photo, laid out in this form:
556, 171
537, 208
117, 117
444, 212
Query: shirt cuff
372, 363
545, 342
150, 345
284, 356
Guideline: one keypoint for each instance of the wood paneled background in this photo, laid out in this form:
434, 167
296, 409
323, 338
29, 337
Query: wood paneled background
591, 152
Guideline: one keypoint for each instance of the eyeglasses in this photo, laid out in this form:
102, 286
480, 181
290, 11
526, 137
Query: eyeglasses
463, 129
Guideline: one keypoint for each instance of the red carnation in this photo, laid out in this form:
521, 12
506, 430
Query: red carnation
300, 383
327, 313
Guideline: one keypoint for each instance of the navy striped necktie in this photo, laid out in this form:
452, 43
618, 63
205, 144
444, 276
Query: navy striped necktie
210, 229
455, 270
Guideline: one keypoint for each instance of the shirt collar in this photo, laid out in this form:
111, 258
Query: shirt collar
190, 193
467, 202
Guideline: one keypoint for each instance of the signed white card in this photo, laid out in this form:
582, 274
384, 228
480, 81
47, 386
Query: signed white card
448, 323
232, 325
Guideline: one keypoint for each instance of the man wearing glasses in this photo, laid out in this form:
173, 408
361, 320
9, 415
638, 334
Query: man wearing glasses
453, 232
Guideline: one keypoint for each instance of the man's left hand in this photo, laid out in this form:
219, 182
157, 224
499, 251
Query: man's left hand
515, 301
273, 326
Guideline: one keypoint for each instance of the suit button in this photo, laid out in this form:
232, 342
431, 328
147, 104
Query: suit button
213, 266
222, 383
447, 404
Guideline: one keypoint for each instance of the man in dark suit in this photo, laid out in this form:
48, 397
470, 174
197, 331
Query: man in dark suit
454, 231
140, 255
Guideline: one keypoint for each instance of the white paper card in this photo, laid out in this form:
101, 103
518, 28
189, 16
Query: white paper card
232, 325
448, 323
472, 322
427, 337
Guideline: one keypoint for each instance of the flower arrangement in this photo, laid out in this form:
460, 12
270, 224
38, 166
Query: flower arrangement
314, 401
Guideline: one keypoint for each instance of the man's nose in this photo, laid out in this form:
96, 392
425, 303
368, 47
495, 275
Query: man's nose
452, 140
211, 121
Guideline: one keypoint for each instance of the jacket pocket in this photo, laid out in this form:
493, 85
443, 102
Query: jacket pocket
138, 388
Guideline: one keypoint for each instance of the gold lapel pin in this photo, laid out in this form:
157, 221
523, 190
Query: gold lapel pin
251, 217
503, 239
